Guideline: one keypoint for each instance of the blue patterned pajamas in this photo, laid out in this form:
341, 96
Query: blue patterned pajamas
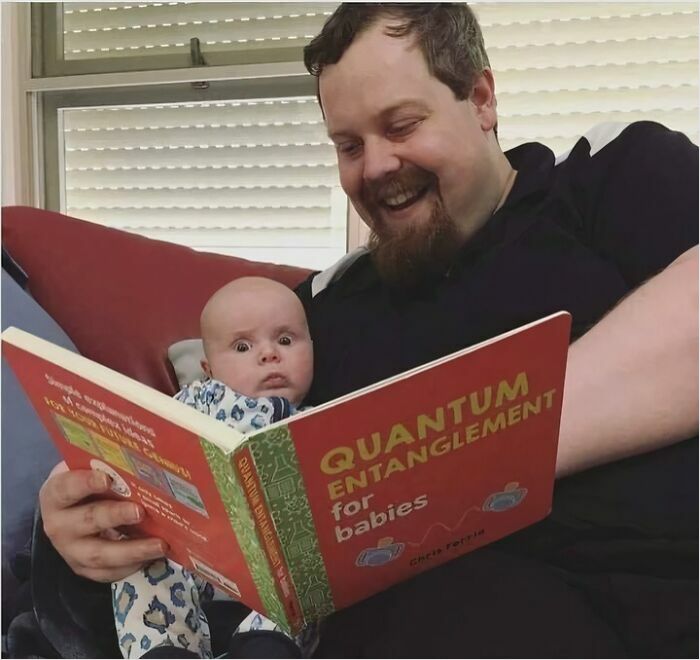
161, 604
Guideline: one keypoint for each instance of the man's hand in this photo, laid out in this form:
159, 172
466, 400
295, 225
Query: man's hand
84, 533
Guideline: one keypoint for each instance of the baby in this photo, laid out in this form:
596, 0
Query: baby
259, 365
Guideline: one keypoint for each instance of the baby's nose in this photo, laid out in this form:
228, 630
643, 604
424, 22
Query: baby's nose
269, 354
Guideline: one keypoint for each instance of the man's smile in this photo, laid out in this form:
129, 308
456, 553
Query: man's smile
404, 198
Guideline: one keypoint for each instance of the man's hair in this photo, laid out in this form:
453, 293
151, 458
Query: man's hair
447, 33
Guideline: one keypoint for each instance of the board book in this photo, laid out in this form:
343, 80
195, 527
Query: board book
327, 507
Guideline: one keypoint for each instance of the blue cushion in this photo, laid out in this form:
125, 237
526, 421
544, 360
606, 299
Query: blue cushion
28, 454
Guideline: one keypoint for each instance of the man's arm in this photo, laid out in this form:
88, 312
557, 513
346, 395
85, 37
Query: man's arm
632, 380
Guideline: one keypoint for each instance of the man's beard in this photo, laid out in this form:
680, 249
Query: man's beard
415, 255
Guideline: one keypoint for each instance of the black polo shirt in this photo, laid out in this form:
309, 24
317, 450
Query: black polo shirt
576, 235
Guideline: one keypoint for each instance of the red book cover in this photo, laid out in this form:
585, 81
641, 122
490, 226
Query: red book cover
323, 509
412, 472
159, 463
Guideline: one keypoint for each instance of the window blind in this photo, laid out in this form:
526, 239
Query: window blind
246, 177
105, 30
561, 68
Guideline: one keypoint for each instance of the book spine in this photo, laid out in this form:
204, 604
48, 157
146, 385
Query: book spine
284, 491
243, 524
248, 476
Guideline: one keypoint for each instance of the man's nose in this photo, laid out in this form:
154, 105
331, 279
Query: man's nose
379, 159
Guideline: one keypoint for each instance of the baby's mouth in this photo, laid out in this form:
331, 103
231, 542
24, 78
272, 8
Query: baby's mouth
275, 381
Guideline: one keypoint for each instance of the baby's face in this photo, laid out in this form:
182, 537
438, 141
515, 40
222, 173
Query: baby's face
257, 342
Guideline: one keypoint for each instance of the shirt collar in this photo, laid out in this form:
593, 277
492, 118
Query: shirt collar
535, 166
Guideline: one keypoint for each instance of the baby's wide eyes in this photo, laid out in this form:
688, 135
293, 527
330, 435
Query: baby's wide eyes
285, 340
241, 346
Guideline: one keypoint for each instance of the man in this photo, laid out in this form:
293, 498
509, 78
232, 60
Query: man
469, 242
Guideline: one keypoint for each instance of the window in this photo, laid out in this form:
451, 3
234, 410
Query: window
197, 123
240, 166
561, 68
254, 177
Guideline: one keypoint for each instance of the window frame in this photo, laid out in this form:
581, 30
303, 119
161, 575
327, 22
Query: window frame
48, 58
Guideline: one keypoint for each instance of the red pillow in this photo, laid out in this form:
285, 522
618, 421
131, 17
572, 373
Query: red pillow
122, 298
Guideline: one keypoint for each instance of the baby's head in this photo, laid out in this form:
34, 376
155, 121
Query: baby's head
256, 339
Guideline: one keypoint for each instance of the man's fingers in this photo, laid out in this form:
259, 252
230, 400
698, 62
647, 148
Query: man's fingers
112, 535
64, 489
94, 517
77, 527
60, 467
107, 575
90, 519
106, 561
60, 497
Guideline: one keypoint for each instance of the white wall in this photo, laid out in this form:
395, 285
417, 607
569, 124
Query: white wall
16, 151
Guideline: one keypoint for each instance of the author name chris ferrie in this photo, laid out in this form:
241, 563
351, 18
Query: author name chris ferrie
450, 545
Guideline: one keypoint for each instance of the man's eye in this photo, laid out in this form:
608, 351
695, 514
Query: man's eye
285, 340
241, 346
348, 148
403, 128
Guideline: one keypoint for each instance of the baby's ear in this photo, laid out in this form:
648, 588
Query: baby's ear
205, 368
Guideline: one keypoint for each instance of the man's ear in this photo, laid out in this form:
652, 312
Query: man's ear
483, 96
205, 367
